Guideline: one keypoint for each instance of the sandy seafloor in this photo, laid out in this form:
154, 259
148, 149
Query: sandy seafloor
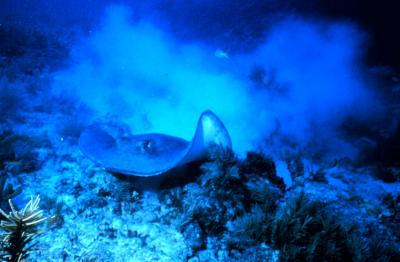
234, 211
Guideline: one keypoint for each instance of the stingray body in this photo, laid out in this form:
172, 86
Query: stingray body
148, 155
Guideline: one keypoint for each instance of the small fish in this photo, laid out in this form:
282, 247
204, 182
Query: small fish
219, 53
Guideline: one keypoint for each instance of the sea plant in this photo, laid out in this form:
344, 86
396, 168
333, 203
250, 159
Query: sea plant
21, 228
260, 166
303, 231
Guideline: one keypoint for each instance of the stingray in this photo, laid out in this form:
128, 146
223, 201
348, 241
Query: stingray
148, 155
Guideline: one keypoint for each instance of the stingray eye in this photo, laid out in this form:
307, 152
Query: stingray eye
146, 145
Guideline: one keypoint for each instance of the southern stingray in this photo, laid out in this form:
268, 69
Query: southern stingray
150, 155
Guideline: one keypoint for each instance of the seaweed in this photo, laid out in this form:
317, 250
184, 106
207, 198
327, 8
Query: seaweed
210, 214
381, 249
259, 165
228, 189
249, 229
392, 219
264, 194
217, 196
220, 176
303, 230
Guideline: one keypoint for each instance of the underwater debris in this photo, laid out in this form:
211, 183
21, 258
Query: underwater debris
21, 229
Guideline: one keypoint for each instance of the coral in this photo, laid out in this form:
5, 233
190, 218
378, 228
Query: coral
391, 219
21, 229
194, 236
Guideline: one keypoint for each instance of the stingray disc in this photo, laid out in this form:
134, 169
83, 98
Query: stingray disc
151, 154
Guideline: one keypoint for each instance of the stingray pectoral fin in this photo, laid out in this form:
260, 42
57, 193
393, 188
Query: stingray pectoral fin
210, 130
139, 155
97, 144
